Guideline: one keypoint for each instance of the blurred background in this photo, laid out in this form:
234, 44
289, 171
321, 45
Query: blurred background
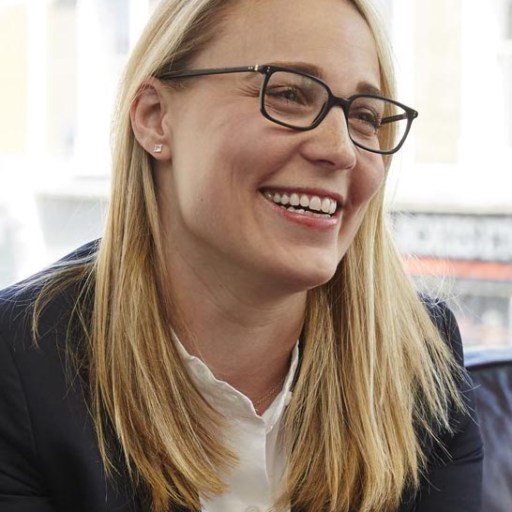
450, 193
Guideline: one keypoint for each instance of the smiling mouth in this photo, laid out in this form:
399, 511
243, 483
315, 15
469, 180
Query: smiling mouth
305, 204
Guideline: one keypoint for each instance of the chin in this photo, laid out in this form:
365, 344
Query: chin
307, 278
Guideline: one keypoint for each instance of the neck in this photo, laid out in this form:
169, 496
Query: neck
245, 338
262, 404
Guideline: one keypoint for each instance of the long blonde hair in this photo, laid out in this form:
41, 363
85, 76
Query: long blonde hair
374, 369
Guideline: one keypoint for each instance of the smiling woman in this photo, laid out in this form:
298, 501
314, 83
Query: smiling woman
244, 334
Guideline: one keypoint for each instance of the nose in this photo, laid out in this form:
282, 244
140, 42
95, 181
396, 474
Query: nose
329, 144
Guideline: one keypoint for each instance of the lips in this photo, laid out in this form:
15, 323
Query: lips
309, 204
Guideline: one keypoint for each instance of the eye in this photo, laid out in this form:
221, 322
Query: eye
365, 119
288, 94
293, 98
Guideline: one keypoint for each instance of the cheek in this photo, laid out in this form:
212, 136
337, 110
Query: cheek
368, 179
247, 139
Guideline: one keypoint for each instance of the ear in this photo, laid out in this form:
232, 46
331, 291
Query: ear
147, 115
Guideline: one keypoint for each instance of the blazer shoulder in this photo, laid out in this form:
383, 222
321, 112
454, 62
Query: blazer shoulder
17, 302
47, 436
444, 319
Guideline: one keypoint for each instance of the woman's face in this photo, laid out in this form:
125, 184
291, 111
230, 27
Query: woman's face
228, 161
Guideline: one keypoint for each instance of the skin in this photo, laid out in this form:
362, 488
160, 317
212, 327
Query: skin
241, 267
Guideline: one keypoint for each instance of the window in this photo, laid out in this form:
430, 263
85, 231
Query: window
452, 202
505, 58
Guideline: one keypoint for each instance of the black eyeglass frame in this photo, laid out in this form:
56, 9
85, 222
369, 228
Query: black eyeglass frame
332, 100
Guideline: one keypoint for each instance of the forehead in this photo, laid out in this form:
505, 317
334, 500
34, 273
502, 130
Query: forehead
330, 34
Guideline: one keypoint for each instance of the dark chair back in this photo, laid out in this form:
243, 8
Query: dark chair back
491, 371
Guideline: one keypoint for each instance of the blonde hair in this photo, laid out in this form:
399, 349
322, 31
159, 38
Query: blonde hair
374, 368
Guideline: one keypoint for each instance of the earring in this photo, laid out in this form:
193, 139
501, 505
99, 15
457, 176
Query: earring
157, 148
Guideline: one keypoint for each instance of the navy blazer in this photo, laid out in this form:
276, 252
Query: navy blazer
49, 457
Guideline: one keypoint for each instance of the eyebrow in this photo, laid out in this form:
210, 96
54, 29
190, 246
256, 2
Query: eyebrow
368, 88
305, 67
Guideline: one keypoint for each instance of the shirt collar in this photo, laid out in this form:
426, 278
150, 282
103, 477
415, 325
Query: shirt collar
227, 400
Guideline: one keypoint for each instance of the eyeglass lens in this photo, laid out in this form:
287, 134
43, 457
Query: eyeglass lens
298, 101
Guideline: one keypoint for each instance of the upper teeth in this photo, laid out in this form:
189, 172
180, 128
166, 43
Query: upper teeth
316, 203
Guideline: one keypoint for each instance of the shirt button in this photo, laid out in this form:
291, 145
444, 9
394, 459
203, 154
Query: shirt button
252, 509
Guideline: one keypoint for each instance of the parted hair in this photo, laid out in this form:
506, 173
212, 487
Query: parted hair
374, 370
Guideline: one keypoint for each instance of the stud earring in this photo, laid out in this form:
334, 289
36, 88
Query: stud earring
157, 148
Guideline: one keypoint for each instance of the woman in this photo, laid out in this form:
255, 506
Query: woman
244, 336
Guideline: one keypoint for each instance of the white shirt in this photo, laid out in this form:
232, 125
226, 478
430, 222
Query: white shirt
254, 483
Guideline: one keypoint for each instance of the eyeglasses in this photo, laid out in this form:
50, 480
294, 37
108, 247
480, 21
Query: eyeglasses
301, 101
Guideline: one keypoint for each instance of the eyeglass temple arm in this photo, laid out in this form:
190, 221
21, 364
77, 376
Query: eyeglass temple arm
209, 71
392, 119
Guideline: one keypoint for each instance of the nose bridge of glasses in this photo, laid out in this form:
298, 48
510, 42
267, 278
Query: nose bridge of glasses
337, 126
336, 101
